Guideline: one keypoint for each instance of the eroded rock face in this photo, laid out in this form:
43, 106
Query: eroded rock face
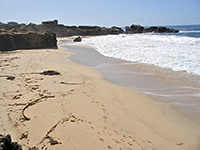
7, 42
35, 40
27, 40
7, 144
63, 31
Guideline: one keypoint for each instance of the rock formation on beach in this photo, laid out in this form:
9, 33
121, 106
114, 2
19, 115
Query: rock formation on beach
27, 40
78, 39
32, 36
63, 31
7, 144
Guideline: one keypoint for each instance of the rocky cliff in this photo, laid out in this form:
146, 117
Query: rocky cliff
27, 40
63, 31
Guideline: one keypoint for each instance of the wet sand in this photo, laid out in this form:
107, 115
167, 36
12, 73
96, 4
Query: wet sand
178, 88
79, 109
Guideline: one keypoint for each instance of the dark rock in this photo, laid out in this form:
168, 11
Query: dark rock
64, 31
27, 40
30, 27
61, 30
54, 22
150, 29
50, 73
115, 30
35, 40
140, 29
161, 30
7, 139
10, 78
7, 42
87, 27
52, 141
78, 39
165, 30
7, 144
12, 23
10, 26
134, 29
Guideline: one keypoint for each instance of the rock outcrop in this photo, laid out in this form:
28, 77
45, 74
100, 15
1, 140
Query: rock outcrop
7, 42
134, 29
7, 144
63, 31
78, 39
27, 40
140, 29
160, 30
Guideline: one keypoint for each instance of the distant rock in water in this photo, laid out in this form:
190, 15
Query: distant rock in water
78, 39
160, 30
140, 29
134, 29
7, 144
27, 40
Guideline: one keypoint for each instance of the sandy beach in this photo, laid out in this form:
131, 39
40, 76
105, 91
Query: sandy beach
79, 109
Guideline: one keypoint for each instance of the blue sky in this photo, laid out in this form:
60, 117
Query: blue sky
102, 12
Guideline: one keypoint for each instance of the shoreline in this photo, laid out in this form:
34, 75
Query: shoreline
84, 111
169, 86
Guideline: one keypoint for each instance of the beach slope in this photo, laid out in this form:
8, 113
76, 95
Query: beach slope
74, 107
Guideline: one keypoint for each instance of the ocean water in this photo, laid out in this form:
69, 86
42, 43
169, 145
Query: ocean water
141, 62
177, 51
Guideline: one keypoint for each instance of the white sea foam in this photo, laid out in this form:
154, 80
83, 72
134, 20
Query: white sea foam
179, 53
192, 31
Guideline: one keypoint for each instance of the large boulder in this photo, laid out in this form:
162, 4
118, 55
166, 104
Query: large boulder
134, 29
27, 40
78, 39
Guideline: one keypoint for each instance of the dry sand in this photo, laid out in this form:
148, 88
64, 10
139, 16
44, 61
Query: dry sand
79, 109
